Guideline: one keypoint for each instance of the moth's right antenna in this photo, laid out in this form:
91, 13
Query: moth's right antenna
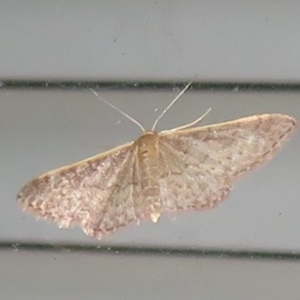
170, 105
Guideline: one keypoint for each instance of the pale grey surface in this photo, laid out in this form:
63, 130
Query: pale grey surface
62, 276
150, 40
42, 130
147, 40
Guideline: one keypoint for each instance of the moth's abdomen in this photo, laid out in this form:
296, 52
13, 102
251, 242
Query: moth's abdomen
148, 157
150, 168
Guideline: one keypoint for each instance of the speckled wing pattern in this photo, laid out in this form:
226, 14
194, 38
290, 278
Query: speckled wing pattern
193, 169
92, 193
210, 158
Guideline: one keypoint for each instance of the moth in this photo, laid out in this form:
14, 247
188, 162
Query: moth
185, 168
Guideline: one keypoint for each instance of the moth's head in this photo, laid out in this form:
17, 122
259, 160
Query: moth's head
147, 143
147, 139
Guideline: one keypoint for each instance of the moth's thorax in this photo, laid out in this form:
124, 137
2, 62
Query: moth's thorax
150, 171
147, 146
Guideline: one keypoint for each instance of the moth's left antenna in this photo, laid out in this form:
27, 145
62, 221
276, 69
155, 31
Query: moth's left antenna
119, 110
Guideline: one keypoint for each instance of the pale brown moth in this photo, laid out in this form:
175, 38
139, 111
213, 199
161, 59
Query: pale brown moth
179, 169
